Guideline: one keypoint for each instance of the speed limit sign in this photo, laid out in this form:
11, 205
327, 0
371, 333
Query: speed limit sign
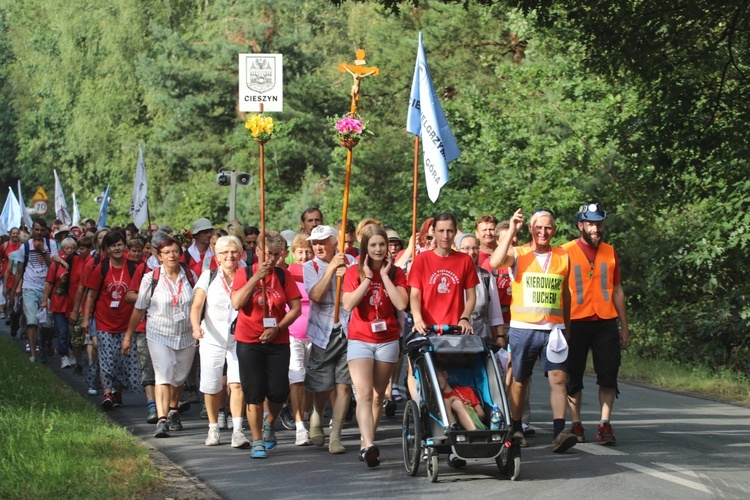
40, 207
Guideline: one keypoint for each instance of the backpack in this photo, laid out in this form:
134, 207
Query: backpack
188, 273
104, 266
282, 279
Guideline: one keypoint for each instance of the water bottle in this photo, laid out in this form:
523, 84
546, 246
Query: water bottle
496, 418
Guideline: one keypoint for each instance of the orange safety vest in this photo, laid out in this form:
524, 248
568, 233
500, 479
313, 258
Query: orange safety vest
591, 285
537, 297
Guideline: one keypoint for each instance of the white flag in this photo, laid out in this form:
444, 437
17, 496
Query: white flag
139, 202
24, 211
427, 120
76, 213
61, 206
11, 216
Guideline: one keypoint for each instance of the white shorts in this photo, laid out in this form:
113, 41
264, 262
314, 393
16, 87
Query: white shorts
212, 359
299, 354
171, 366
387, 351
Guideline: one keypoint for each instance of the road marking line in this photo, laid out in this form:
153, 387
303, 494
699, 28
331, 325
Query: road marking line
667, 477
679, 469
739, 445
597, 449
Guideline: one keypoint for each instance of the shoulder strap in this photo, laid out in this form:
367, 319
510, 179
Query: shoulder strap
27, 249
211, 276
155, 279
131, 267
188, 273
282, 276
104, 267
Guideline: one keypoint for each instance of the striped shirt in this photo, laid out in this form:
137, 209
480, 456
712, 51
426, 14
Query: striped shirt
320, 318
167, 324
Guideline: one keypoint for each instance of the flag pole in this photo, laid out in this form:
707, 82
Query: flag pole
358, 71
414, 198
262, 256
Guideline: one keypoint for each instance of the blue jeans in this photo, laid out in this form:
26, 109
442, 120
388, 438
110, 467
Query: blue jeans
61, 332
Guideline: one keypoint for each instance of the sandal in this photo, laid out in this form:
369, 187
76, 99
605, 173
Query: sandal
259, 450
395, 394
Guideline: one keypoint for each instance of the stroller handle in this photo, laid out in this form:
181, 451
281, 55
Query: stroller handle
444, 329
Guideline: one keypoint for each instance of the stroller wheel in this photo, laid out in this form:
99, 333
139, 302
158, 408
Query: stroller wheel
509, 461
432, 465
411, 438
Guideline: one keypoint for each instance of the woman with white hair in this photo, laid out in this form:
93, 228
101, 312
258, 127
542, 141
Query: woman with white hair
209, 319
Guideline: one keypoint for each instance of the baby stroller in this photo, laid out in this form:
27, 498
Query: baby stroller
470, 362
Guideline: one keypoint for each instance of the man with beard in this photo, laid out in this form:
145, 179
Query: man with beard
597, 300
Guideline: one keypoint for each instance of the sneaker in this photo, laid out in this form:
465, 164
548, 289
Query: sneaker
183, 407
239, 440
78, 370
72, 359
32, 358
520, 439
389, 407
214, 438
395, 394
527, 429
194, 397
222, 419
152, 417
302, 438
92, 392
605, 436
28, 347
117, 399
577, 430
2, 315
259, 450
173, 421
456, 462
269, 436
64, 362
107, 403
564, 442
162, 429
204, 412
286, 417
370, 455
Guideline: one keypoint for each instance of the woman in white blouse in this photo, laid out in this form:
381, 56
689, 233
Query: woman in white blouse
209, 318
166, 293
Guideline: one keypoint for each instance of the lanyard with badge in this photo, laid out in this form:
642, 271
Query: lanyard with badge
177, 315
115, 292
269, 322
379, 325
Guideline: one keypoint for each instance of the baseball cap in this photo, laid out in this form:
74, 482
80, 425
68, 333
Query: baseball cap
591, 212
557, 347
321, 233
202, 224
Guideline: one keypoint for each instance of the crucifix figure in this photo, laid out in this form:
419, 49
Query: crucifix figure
358, 70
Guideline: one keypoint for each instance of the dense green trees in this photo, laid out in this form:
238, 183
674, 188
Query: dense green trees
553, 103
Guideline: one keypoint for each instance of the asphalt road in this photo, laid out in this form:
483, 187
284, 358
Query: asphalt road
669, 446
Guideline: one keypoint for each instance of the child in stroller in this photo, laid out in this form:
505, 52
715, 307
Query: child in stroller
461, 402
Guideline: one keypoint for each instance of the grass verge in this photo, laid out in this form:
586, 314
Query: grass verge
56, 445
720, 385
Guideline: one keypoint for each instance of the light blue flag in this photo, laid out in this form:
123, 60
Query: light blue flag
102, 221
25, 217
427, 120
11, 216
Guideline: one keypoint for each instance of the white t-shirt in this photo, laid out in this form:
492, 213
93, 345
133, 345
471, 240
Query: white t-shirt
218, 303
35, 272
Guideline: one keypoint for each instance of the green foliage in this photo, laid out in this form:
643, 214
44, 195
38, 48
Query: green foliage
641, 107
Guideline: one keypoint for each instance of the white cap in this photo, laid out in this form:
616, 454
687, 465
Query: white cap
557, 347
288, 235
320, 233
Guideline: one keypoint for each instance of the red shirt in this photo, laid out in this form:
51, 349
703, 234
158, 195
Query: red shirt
9, 249
250, 319
483, 257
442, 281
60, 279
376, 304
112, 313
135, 286
466, 394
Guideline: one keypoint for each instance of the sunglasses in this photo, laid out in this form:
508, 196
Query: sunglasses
430, 238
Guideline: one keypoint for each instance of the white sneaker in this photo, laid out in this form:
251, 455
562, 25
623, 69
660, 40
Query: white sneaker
213, 438
239, 440
64, 362
303, 438
32, 358
72, 359
92, 391
222, 419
